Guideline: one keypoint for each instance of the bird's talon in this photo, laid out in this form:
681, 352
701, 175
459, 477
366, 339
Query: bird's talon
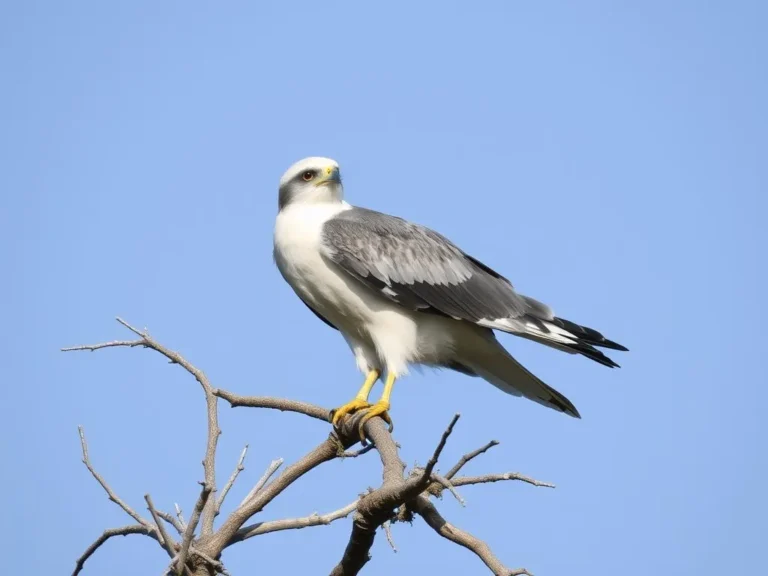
378, 409
349, 408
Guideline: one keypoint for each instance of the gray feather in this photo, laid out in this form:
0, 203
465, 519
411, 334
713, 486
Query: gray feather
420, 269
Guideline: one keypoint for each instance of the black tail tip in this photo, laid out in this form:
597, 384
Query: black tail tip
588, 335
612, 345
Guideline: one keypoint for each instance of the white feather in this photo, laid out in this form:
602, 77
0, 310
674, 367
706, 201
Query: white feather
381, 334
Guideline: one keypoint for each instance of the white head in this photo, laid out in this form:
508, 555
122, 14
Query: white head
312, 180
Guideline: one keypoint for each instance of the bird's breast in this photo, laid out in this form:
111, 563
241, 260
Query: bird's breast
297, 242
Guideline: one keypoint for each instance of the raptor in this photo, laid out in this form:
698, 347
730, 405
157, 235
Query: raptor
402, 295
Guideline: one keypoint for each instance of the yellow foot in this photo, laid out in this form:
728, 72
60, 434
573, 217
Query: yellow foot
378, 409
349, 408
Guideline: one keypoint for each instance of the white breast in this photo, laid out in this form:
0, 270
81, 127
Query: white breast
298, 231
380, 333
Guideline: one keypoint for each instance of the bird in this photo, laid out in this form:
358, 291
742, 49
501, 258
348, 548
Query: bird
403, 295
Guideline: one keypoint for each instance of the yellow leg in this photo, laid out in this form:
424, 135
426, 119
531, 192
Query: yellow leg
358, 402
380, 408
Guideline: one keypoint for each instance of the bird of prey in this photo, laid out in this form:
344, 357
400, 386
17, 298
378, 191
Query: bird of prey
402, 294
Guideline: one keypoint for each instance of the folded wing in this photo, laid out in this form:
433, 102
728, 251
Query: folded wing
422, 270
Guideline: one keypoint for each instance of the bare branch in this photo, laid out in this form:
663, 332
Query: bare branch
166, 541
189, 533
281, 404
112, 496
293, 523
467, 480
433, 461
397, 491
445, 483
180, 516
398, 497
370, 517
469, 456
178, 526
213, 419
271, 469
355, 453
328, 450
141, 333
106, 535
388, 532
377, 507
113, 344
239, 468
427, 510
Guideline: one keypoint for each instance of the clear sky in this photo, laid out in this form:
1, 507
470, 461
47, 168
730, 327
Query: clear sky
608, 157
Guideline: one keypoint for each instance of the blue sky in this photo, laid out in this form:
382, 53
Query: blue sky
608, 157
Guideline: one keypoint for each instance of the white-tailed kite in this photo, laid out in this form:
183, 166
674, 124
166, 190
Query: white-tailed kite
402, 294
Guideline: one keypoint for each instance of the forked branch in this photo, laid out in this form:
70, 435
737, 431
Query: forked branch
398, 497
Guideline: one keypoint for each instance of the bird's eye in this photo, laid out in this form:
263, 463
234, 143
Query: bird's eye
308, 175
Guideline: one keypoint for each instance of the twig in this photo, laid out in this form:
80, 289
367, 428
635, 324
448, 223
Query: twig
239, 468
189, 533
433, 461
180, 516
166, 541
292, 523
113, 344
178, 526
271, 469
328, 450
213, 419
427, 510
445, 483
281, 404
112, 496
469, 456
106, 535
388, 532
467, 480
355, 453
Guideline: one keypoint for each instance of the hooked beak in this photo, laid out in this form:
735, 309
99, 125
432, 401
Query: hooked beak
331, 176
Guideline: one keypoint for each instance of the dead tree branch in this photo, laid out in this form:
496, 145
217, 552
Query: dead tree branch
213, 417
281, 404
180, 516
269, 472
469, 456
431, 516
398, 497
379, 506
239, 468
165, 540
327, 450
177, 525
448, 485
112, 496
292, 523
106, 535
467, 480
189, 532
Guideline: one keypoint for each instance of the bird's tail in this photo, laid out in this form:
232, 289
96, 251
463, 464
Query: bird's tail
541, 326
497, 366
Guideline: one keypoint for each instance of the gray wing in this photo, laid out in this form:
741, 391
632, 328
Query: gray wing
419, 269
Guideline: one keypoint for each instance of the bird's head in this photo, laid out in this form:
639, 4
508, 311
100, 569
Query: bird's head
312, 180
